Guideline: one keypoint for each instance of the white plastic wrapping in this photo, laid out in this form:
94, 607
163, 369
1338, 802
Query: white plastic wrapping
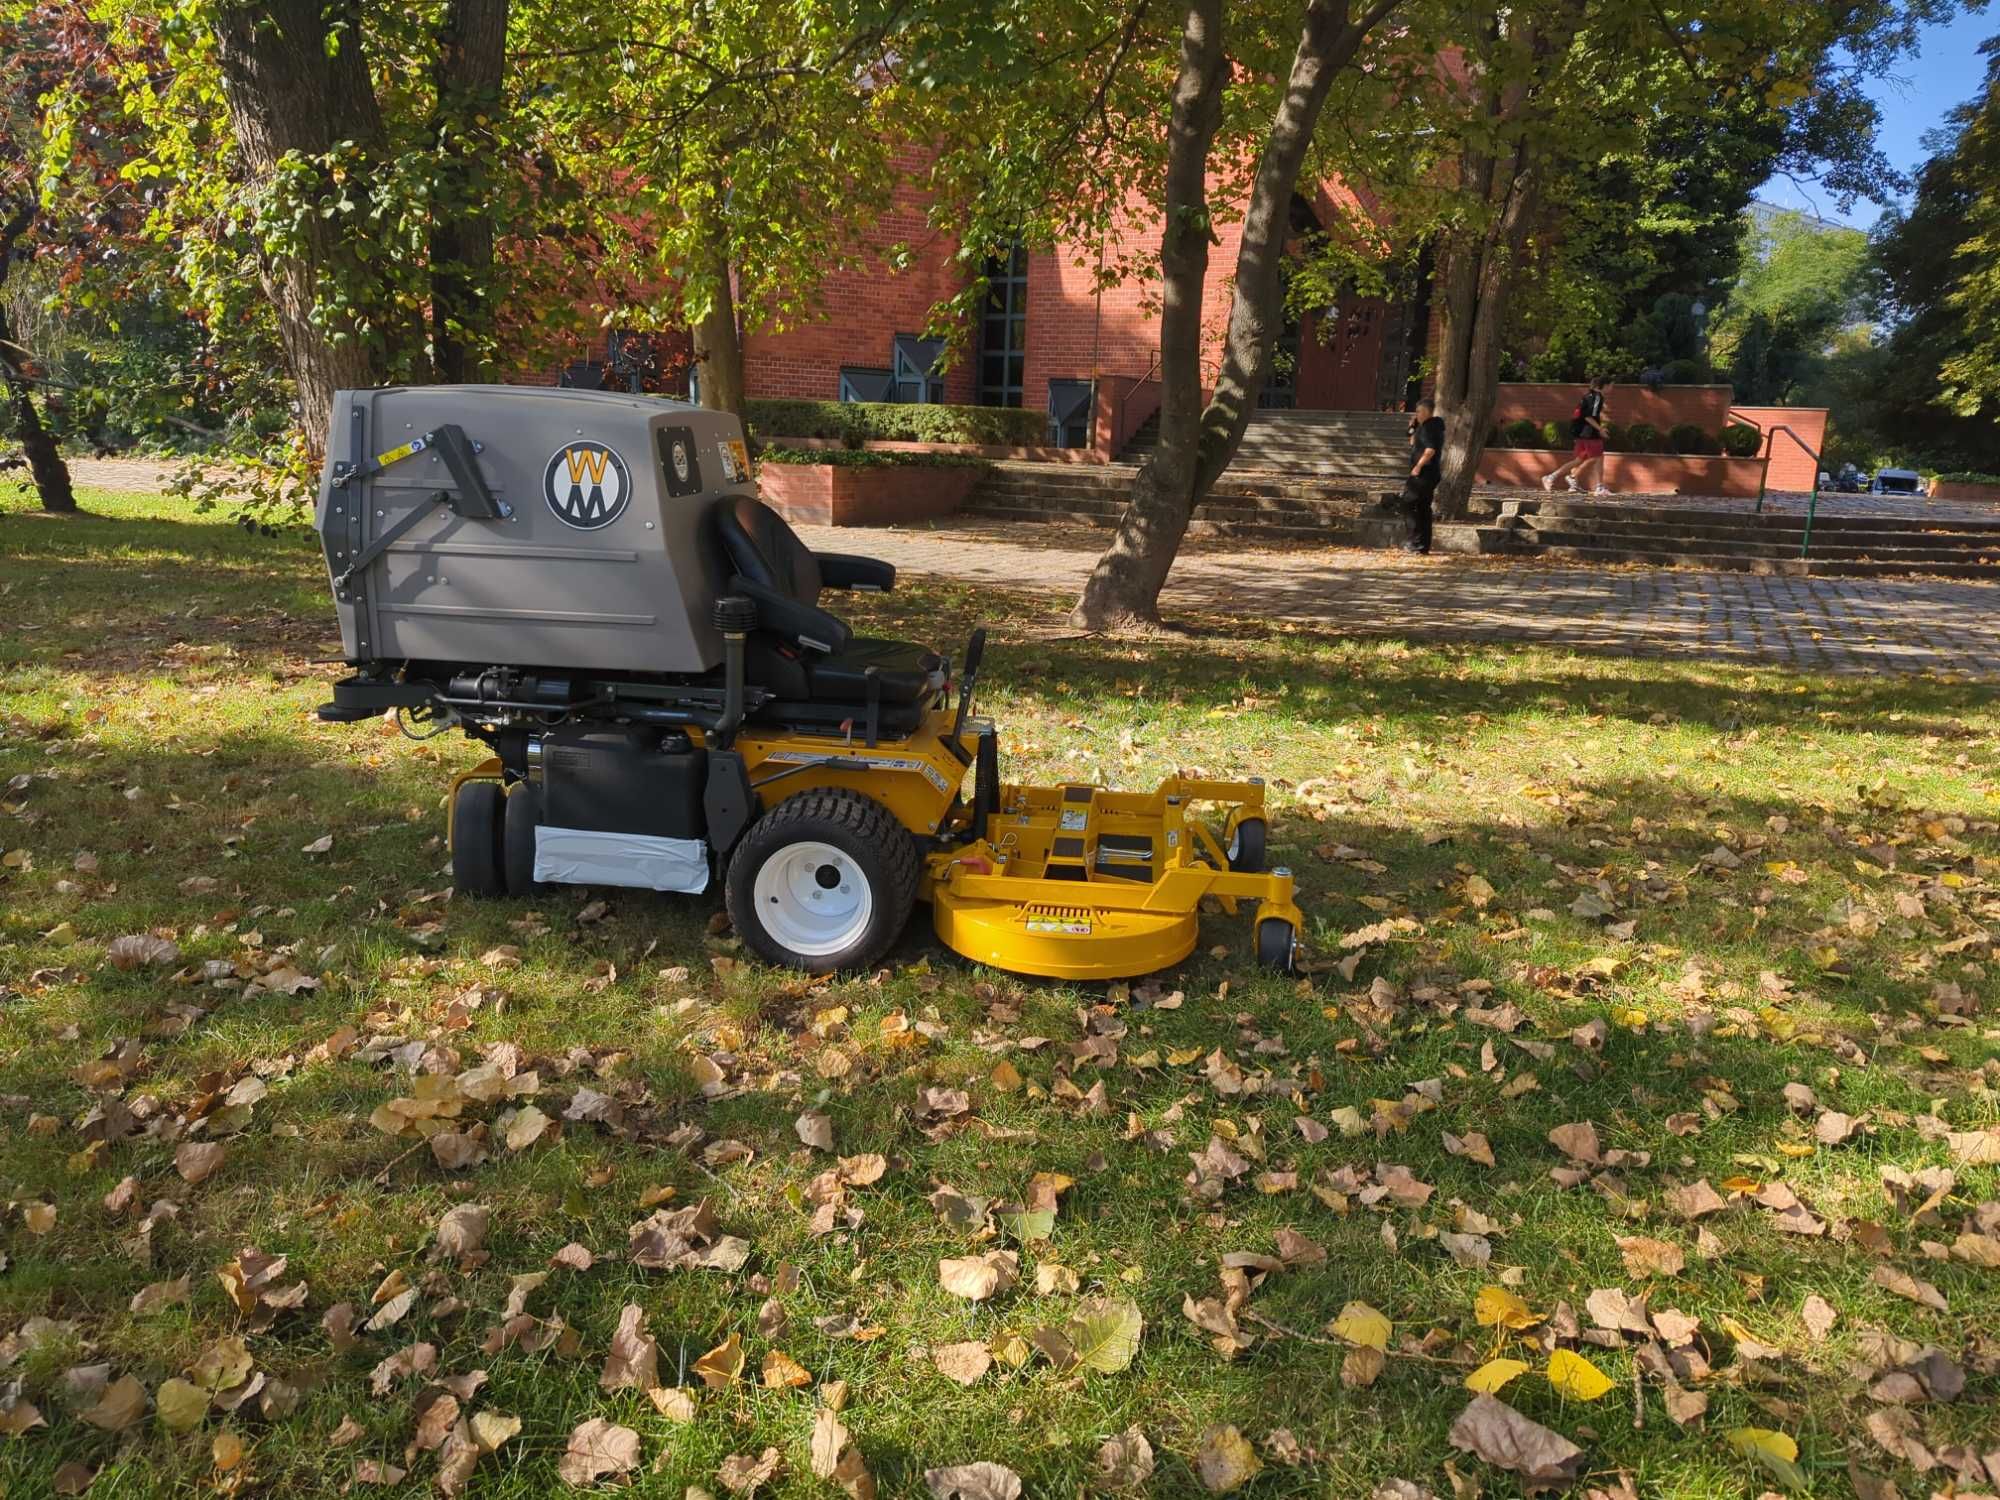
584, 856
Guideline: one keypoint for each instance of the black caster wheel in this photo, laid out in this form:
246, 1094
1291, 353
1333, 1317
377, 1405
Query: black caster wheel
1277, 943
475, 840
1246, 846
822, 882
517, 839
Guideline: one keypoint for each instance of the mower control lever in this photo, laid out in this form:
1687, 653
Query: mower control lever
974, 650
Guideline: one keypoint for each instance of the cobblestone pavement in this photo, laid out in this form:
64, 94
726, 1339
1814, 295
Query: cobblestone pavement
1876, 625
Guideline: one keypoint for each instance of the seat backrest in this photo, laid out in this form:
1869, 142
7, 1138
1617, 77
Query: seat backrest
764, 550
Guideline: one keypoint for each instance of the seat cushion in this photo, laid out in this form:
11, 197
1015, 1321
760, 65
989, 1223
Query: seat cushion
906, 671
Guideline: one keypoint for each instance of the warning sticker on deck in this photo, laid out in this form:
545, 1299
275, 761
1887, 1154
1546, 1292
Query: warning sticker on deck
1064, 926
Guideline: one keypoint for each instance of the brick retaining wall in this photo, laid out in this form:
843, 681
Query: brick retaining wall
832, 495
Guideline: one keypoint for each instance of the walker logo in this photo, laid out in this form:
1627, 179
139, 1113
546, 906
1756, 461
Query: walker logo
587, 486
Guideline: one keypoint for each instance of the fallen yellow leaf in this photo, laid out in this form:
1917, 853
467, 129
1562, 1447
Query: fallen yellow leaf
1491, 1376
1574, 1376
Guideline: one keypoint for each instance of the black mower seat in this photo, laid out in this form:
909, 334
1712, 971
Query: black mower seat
818, 657
905, 671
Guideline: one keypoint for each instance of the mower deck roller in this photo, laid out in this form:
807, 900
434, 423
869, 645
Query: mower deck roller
587, 584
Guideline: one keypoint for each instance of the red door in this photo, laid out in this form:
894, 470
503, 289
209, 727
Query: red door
1338, 367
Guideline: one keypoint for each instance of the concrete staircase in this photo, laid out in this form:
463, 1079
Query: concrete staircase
1254, 507
1345, 445
1583, 531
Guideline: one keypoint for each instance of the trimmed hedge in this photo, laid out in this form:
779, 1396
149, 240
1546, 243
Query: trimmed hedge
1521, 434
1740, 440
1691, 439
870, 458
1644, 437
856, 422
1968, 476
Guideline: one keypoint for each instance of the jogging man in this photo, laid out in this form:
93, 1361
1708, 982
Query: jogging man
1426, 448
1586, 432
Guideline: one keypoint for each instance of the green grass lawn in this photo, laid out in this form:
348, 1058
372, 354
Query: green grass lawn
1647, 896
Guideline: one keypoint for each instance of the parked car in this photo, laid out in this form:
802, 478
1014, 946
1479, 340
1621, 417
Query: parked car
1848, 480
1897, 482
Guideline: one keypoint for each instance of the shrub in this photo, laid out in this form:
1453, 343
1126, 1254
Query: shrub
1555, 435
1969, 476
869, 458
1615, 438
856, 422
1521, 433
1643, 437
1688, 438
1685, 372
1740, 440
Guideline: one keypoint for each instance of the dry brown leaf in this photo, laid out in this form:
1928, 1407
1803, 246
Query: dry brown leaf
1495, 1432
1577, 1141
978, 1277
597, 1448
781, 1372
723, 1364
741, 1474
197, 1161
634, 1357
1226, 1461
1123, 1463
1649, 1257
980, 1481
1818, 1316
121, 1403
965, 1363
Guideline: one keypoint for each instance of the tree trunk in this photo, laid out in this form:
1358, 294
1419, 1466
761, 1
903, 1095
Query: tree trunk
1479, 261
471, 60
1197, 441
1125, 585
718, 342
295, 84
45, 460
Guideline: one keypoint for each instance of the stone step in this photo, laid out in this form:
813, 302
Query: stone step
1903, 549
1610, 510
1792, 567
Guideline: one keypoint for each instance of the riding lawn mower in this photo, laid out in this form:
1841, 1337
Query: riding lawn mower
587, 583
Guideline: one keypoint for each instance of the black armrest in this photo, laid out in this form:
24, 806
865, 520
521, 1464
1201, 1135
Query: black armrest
843, 570
796, 623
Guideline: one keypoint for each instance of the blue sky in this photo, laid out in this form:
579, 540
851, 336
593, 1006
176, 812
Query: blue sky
1946, 72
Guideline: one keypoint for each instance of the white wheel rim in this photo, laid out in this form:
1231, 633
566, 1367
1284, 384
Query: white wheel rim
813, 899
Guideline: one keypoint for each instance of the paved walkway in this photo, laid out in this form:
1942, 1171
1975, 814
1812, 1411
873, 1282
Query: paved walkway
1876, 626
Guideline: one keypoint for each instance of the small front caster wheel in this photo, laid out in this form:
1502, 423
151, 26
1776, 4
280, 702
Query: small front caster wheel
1246, 846
475, 840
1277, 944
824, 881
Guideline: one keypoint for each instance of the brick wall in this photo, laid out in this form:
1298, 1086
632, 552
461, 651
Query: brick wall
867, 306
1707, 406
1790, 468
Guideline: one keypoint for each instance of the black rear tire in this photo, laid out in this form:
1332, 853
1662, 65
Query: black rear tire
857, 840
1276, 941
475, 840
1247, 846
517, 841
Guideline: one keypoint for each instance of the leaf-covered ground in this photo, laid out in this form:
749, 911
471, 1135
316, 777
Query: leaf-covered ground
1648, 1043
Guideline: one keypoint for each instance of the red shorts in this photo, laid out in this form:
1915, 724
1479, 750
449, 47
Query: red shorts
1589, 448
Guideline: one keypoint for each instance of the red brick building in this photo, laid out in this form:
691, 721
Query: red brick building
1052, 335
1049, 338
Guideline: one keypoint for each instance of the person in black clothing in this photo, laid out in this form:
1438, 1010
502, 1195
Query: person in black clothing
1426, 449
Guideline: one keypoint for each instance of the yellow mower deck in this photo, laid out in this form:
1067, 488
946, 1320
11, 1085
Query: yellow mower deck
1069, 882
1078, 882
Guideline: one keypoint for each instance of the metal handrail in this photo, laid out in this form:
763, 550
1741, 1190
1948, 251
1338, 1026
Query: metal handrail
1812, 504
1125, 396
